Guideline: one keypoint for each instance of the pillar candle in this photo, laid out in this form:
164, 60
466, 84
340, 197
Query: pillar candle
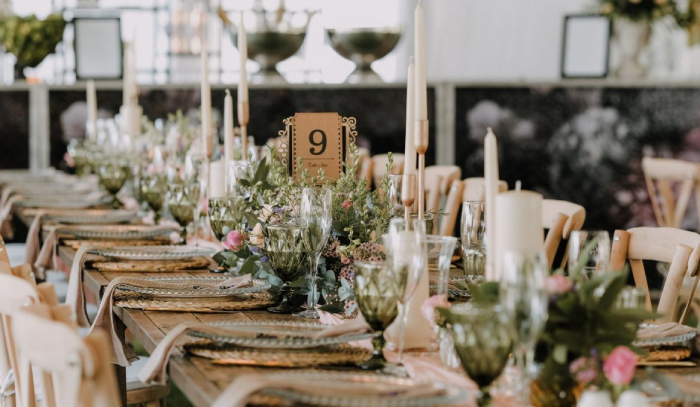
491, 187
205, 100
421, 90
228, 129
409, 166
217, 179
91, 129
518, 225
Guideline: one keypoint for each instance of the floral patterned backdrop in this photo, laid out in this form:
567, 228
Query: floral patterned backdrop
582, 144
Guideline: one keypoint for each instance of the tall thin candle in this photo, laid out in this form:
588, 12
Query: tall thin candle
243, 106
409, 166
228, 129
206, 100
491, 176
421, 90
91, 129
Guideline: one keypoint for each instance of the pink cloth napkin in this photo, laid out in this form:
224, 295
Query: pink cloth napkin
154, 370
122, 354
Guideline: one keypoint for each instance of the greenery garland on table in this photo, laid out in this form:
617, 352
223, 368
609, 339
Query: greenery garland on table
360, 216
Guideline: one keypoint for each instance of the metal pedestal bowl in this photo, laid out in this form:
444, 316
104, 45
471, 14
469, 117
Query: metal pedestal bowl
268, 48
364, 46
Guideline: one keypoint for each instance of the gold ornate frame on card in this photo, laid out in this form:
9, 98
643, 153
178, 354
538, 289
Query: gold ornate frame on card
284, 154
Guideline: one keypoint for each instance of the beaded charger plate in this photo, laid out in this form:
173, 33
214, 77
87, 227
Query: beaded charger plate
278, 335
94, 217
249, 301
228, 354
153, 266
121, 232
675, 340
195, 287
162, 252
391, 391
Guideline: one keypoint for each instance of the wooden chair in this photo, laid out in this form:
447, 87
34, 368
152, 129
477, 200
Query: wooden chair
678, 247
474, 189
74, 371
379, 163
438, 183
661, 176
451, 209
560, 218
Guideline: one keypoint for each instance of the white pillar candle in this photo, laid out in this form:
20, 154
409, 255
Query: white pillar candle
228, 129
421, 90
217, 179
243, 58
205, 100
518, 225
409, 166
491, 190
91, 129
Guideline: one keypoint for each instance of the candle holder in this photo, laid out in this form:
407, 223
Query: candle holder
243, 118
420, 139
408, 196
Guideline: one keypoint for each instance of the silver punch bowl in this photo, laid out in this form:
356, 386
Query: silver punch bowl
364, 46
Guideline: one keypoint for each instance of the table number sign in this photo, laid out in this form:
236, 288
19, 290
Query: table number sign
321, 140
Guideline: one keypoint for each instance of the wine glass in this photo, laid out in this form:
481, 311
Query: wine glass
284, 246
197, 171
112, 174
482, 339
592, 243
378, 290
183, 203
153, 190
316, 218
223, 216
406, 251
525, 301
236, 172
473, 233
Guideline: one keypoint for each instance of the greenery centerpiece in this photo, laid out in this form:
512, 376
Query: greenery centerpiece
31, 39
360, 216
587, 340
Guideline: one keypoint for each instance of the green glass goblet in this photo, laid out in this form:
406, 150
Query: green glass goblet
224, 215
482, 339
112, 176
284, 246
378, 290
182, 204
153, 190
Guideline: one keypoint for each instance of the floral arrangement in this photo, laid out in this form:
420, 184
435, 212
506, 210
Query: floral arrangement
30, 39
587, 340
360, 216
639, 10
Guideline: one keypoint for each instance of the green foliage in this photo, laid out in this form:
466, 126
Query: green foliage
30, 39
640, 10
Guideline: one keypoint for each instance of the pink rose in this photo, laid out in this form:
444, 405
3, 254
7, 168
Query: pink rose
584, 370
429, 305
620, 365
346, 204
233, 240
557, 284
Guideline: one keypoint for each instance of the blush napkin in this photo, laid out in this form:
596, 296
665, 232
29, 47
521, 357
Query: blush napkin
154, 370
122, 355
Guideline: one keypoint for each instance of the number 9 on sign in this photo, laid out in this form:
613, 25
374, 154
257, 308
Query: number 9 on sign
322, 143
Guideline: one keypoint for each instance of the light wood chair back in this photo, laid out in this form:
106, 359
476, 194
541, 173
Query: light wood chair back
560, 218
379, 163
475, 189
4, 257
75, 372
451, 209
364, 165
678, 247
661, 176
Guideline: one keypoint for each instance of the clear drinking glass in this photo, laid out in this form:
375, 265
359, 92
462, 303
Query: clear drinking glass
473, 233
284, 246
182, 202
197, 171
223, 216
112, 174
592, 243
395, 194
525, 300
406, 250
153, 190
236, 172
316, 218
440, 250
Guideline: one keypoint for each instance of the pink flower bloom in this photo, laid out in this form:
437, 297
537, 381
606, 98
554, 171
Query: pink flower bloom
577, 364
344, 259
233, 240
256, 236
586, 376
557, 284
346, 204
620, 365
429, 305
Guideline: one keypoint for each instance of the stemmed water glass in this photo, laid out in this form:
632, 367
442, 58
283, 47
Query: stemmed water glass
598, 243
406, 252
482, 339
284, 246
525, 301
223, 216
316, 218
182, 202
153, 190
236, 172
112, 174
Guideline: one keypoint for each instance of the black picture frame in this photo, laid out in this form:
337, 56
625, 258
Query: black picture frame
116, 47
602, 48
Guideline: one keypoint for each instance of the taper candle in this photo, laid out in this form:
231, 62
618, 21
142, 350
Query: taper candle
409, 166
491, 187
228, 129
91, 96
205, 100
421, 90
243, 58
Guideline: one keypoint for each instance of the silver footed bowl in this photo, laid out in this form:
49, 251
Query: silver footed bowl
364, 46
